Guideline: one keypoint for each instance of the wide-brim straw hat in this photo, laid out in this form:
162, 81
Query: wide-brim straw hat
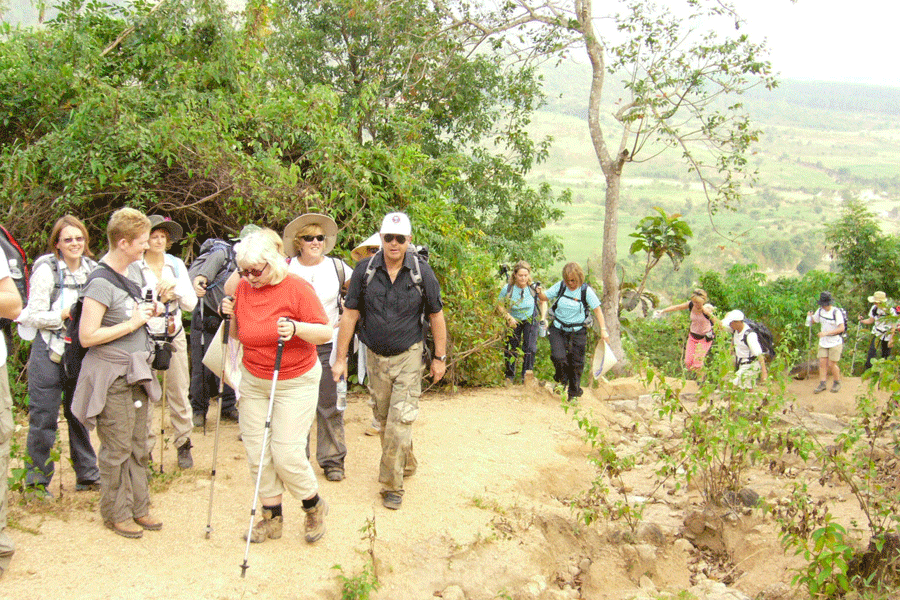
360, 253
878, 298
172, 228
329, 228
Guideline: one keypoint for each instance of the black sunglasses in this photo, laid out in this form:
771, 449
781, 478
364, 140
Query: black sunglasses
254, 272
318, 238
390, 237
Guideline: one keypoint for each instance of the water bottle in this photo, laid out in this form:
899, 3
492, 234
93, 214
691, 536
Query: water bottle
342, 394
542, 332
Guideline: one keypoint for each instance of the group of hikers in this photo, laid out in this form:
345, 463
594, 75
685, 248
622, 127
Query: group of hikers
292, 312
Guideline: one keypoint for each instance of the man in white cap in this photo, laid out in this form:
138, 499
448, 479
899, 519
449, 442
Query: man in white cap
748, 353
389, 296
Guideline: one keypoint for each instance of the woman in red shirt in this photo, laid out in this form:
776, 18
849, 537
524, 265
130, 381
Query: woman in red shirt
269, 305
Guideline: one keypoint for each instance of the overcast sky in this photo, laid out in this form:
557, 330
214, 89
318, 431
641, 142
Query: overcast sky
831, 40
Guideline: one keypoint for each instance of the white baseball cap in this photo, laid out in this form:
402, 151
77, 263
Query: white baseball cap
396, 223
731, 317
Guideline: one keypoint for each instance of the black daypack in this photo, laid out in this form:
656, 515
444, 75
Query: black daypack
18, 271
74, 352
207, 248
588, 316
763, 334
419, 253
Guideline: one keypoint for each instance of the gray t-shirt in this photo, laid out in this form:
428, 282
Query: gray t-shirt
119, 307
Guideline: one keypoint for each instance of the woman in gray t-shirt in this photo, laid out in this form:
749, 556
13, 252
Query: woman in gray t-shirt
116, 380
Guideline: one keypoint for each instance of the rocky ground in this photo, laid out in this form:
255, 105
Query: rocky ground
486, 516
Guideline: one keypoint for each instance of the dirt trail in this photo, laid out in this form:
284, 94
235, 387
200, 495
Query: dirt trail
485, 512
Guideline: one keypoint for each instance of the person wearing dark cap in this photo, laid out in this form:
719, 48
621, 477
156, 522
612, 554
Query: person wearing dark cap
830, 341
168, 277
389, 300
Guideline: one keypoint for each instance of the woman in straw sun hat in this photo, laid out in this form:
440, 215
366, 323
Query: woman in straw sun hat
307, 240
883, 330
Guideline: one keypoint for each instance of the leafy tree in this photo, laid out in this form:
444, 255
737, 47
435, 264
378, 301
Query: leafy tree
184, 109
681, 77
866, 258
658, 236
405, 71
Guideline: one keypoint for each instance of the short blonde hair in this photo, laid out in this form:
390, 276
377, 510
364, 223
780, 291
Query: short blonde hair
573, 269
259, 247
308, 229
700, 295
279, 243
126, 224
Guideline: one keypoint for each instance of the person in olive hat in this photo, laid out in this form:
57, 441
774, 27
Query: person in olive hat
830, 341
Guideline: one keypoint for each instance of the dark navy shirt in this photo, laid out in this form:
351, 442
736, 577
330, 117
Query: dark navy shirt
390, 312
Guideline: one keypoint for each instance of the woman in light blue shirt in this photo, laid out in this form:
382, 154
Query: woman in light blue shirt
521, 307
573, 302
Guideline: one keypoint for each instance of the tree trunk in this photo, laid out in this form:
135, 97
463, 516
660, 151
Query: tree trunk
612, 170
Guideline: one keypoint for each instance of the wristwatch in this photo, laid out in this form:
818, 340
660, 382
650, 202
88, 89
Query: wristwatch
441, 358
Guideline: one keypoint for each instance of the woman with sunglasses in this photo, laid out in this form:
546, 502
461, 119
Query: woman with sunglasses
56, 280
308, 239
272, 304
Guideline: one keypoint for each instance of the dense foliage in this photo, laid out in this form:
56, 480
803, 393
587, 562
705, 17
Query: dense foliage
218, 119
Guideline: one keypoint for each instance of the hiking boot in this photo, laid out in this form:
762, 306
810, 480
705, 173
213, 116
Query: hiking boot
34, 493
392, 500
87, 486
269, 527
835, 387
334, 474
373, 429
315, 520
230, 414
149, 523
199, 419
185, 460
128, 529
819, 389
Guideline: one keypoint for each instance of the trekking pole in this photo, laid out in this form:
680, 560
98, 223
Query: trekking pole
855, 344
262, 453
162, 411
212, 479
809, 350
203, 397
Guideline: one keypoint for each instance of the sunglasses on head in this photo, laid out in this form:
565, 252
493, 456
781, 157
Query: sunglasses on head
390, 237
254, 272
69, 240
372, 250
318, 238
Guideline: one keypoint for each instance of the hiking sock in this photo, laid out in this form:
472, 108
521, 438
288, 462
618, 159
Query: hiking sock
311, 502
275, 510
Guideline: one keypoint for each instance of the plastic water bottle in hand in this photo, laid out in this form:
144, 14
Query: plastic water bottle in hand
342, 394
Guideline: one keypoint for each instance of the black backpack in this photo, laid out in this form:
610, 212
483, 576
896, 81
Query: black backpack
18, 271
763, 334
419, 253
74, 352
206, 249
588, 315
533, 290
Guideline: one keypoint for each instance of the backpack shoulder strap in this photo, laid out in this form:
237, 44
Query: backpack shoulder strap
562, 290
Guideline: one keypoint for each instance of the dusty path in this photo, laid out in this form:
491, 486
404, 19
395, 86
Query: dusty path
486, 512
485, 444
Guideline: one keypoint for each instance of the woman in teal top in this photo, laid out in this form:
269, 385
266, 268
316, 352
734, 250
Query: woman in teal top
519, 300
573, 300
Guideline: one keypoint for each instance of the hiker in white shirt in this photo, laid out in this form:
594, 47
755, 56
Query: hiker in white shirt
830, 341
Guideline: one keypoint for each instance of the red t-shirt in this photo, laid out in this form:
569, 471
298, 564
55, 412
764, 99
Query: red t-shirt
257, 312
